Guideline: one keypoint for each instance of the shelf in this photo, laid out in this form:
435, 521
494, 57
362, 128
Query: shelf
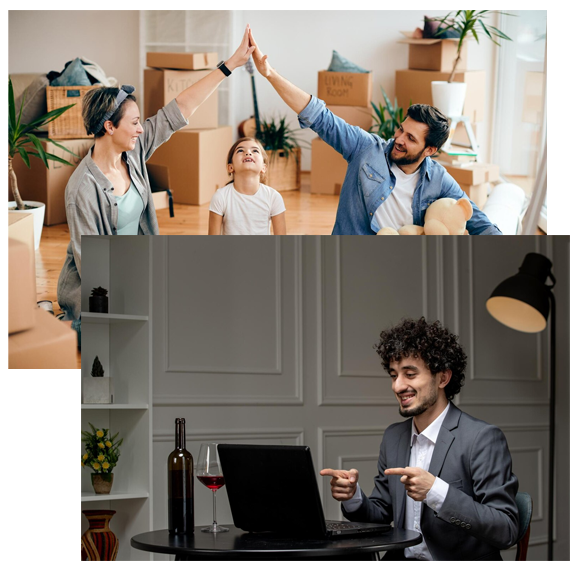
91, 497
104, 318
114, 406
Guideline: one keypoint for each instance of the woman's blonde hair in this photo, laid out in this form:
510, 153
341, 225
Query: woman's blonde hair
262, 151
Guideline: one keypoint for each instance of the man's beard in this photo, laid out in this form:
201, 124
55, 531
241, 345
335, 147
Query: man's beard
406, 159
430, 400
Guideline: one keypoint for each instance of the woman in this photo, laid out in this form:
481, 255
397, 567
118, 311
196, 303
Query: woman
109, 192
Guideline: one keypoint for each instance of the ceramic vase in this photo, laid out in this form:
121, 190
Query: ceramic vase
102, 482
99, 541
99, 304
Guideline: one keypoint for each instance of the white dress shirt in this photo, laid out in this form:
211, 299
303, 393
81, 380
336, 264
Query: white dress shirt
422, 446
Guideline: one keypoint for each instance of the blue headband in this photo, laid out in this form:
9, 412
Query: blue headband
121, 96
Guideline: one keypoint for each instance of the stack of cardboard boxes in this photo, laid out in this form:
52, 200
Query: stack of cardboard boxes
195, 156
347, 95
432, 60
35, 338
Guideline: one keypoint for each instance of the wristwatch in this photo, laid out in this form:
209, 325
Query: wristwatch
222, 65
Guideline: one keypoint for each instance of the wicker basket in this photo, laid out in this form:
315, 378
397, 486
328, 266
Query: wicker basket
70, 124
283, 172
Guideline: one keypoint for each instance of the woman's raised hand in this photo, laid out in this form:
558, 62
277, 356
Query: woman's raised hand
260, 60
242, 54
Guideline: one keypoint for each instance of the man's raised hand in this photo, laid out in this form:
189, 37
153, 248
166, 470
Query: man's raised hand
343, 483
417, 481
260, 62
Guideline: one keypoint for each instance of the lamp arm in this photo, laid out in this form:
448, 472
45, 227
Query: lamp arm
552, 423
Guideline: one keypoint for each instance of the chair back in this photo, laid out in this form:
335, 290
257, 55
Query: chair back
525, 508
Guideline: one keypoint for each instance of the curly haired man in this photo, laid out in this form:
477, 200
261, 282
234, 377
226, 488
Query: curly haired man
442, 472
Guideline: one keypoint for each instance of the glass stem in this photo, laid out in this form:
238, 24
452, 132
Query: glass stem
214, 517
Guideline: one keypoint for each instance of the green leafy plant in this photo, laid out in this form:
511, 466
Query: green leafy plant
22, 141
387, 117
101, 451
276, 135
467, 22
99, 292
98, 371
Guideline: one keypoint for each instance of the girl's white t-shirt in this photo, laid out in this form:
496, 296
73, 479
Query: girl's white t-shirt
397, 210
244, 214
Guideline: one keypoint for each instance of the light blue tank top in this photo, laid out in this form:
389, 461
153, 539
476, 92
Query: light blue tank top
130, 207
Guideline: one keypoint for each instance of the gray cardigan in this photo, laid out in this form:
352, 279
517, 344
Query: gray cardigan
91, 206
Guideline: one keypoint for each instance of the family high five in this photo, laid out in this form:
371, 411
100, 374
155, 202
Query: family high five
388, 183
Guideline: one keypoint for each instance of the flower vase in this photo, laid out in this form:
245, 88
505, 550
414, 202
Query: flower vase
102, 482
99, 541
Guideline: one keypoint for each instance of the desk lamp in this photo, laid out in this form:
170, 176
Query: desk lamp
522, 302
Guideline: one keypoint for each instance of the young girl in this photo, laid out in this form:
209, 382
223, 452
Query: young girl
245, 205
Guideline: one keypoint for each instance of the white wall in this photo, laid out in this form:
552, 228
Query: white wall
44, 40
271, 341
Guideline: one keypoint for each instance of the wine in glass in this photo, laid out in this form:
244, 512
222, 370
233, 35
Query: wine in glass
209, 472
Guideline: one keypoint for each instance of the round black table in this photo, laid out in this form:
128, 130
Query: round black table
240, 545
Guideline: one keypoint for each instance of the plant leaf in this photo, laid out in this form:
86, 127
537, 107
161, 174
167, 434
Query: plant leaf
62, 147
38, 145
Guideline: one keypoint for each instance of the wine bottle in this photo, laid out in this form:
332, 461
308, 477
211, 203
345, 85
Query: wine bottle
180, 485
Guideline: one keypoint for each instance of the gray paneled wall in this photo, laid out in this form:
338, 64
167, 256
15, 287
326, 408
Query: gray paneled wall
271, 341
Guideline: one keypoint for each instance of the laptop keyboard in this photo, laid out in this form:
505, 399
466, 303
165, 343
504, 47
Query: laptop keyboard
340, 525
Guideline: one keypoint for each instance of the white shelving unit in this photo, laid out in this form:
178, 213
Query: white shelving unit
122, 341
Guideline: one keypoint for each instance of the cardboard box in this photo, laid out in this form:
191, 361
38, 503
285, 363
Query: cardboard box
435, 55
415, 86
358, 116
328, 169
21, 288
47, 185
21, 229
191, 61
196, 161
338, 88
164, 85
49, 344
477, 193
473, 174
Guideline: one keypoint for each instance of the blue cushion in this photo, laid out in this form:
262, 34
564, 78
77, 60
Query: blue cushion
340, 63
74, 74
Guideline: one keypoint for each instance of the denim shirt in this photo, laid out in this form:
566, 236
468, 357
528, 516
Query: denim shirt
370, 180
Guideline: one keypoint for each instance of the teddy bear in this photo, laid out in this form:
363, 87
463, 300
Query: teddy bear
444, 217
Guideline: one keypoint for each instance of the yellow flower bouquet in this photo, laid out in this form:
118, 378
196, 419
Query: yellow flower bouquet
101, 450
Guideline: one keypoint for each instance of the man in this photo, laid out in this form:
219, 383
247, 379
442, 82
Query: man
387, 184
442, 472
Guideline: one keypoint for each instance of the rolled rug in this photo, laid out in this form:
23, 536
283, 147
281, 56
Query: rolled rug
505, 208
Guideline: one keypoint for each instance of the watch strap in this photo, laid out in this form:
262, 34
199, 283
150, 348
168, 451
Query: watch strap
222, 65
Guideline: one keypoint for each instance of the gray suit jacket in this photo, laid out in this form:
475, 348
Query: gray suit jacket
479, 516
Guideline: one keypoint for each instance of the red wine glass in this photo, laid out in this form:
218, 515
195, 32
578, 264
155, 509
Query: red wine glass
208, 470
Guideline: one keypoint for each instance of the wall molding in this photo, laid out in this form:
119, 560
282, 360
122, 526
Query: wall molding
168, 436
294, 399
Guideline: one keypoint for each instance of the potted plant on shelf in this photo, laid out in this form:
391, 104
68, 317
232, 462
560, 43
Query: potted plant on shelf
22, 141
98, 301
97, 388
449, 96
284, 154
387, 117
101, 454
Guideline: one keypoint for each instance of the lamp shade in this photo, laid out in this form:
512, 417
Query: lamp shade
522, 302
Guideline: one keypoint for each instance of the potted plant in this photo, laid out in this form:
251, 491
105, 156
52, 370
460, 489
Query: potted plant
22, 141
388, 118
101, 455
449, 96
284, 154
97, 388
98, 301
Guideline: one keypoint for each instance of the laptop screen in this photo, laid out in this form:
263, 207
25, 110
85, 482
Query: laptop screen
272, 488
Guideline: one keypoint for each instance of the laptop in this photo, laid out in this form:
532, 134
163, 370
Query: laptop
273, 488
